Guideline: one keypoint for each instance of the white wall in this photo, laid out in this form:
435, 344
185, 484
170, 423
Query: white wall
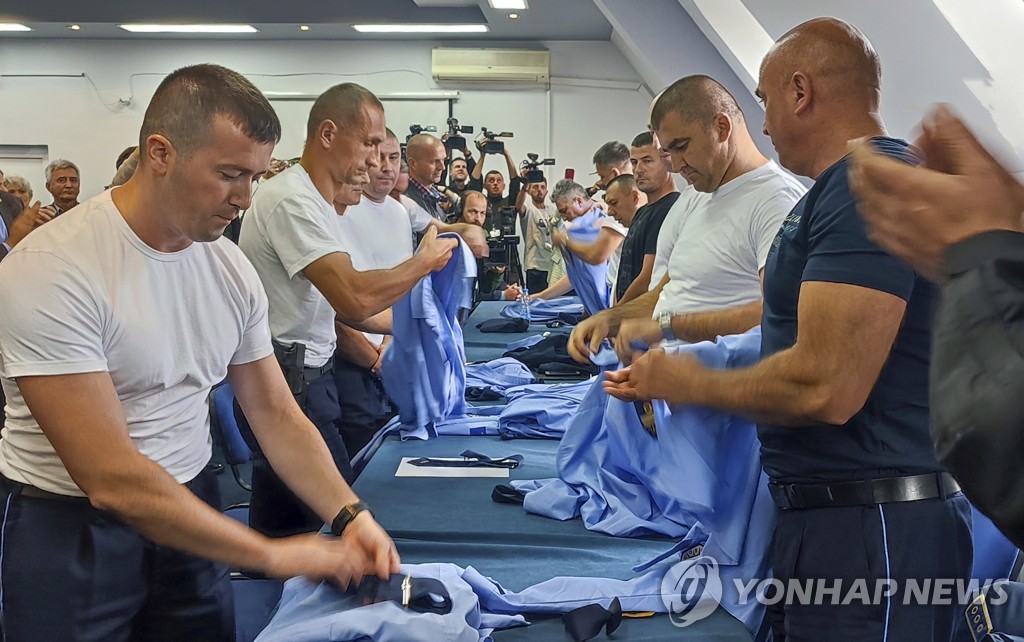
90, 126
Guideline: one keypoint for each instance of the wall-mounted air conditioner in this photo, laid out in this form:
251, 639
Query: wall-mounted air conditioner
491, 65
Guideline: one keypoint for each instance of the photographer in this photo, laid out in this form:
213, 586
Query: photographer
491, 277
493, 183
537, 215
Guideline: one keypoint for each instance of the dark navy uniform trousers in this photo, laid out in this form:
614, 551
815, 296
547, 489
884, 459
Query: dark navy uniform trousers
274, 509
71, 572
900, 541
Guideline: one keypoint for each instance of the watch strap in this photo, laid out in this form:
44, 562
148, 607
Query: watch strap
345, 516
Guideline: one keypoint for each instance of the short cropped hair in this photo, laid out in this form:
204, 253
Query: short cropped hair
188, 100
568, 188
696, 98
643, 139
611, 154
59, 164
626, 182
342, 104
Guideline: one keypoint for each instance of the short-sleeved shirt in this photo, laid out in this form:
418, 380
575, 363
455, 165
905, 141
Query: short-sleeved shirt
289, 226
641, 240
382, 234
824, 239
723, 241
84, 294
668, 235
537, 225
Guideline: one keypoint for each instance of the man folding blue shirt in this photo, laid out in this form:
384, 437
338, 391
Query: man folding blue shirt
424, 369
700, 479
589, 281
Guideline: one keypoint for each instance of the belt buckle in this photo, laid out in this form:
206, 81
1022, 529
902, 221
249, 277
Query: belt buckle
406, 591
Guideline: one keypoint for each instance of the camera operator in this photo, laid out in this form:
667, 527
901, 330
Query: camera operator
537, 215
493, 183
458, 173
491, 277
425, 156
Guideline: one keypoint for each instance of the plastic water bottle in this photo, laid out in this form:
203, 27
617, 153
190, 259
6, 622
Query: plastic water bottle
524, 300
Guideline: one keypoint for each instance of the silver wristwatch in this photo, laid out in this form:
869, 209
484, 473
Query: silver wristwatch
665, 321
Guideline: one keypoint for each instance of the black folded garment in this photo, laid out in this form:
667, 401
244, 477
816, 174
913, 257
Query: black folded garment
420, 594
504, 325
551, 355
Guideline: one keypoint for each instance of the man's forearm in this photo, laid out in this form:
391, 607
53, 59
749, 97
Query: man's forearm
785, 389
641, 307
706, 326
297, 453
354, 347
356, 296
379, 323
556, 289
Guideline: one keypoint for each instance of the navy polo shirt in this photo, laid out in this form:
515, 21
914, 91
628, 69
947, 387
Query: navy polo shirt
824, 239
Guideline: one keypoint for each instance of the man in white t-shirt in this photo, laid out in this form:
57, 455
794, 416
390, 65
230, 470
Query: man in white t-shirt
379, 236
292, 234
713, 281
117, 320
537, 215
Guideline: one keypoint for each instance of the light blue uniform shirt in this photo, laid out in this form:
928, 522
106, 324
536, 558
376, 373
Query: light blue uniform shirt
699, 480
424, 369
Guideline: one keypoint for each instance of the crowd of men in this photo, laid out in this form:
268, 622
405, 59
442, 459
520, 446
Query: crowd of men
107, 362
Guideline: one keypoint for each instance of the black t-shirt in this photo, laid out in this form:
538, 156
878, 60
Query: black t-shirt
824, 239
641, 239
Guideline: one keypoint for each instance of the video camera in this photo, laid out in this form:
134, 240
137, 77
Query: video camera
503, 241
533, 173
419, 129
455, 140
493, 146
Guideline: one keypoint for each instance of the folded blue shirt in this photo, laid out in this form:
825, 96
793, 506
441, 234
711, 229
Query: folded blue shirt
543, 311
312, 612
498, 375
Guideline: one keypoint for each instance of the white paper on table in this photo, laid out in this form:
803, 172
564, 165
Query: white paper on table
405, 469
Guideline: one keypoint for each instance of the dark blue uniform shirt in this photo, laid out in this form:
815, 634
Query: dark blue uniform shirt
824, 239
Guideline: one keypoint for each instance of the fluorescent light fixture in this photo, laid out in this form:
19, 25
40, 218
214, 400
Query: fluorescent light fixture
420, 28
507, 4
13, 26
189, 28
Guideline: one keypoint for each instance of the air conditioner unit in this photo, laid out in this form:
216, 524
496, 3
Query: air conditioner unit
491, 65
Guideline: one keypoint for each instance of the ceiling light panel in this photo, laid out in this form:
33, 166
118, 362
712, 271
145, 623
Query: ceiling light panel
507, 4
139, 28
420, 28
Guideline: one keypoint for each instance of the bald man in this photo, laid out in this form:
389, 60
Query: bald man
841, 393
716, 237
293, 238
425, 156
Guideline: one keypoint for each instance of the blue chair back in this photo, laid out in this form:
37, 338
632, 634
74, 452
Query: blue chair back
995, 557
236, 451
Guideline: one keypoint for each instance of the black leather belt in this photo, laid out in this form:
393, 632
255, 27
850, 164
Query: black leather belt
864, 493
312, 374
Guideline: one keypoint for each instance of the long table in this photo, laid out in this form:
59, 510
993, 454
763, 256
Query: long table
454, 520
